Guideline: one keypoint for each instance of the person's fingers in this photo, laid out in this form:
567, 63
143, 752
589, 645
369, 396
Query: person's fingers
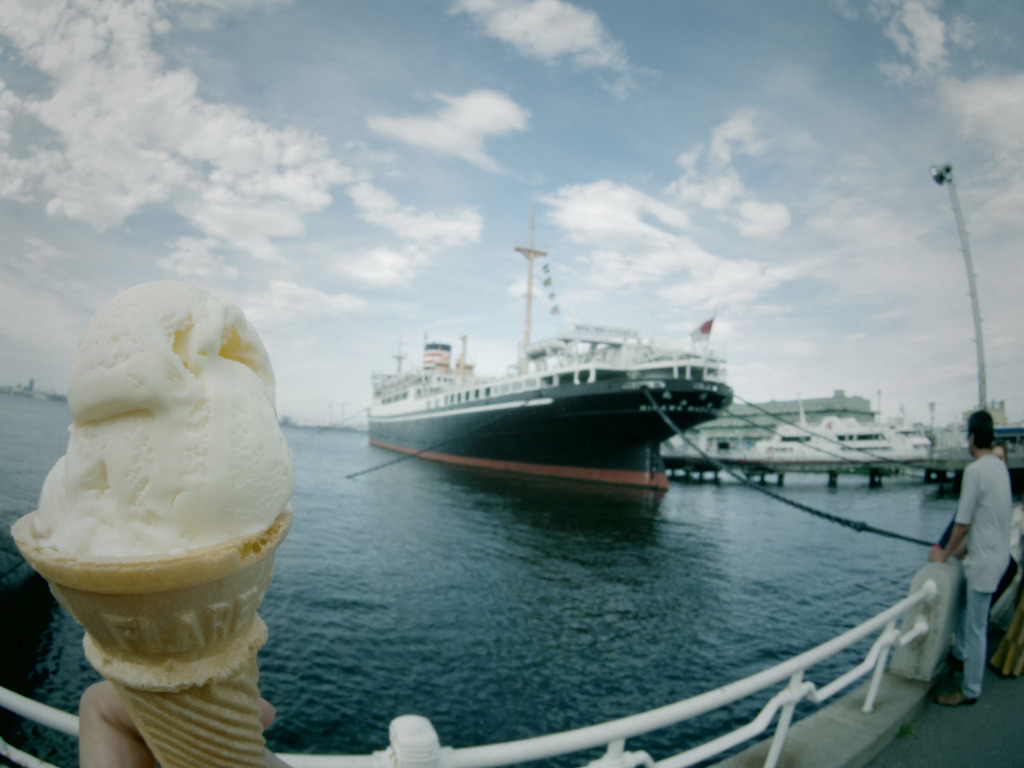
107, 736
267, 713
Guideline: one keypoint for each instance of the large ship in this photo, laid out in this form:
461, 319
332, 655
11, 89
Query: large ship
575, 406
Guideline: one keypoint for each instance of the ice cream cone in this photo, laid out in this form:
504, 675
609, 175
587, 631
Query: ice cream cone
178, 637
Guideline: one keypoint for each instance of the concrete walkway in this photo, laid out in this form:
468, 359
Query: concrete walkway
906, 730
989, 734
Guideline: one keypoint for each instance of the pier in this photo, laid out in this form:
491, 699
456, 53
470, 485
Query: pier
945, 471
697, 468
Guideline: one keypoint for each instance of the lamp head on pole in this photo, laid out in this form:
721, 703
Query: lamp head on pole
942, 174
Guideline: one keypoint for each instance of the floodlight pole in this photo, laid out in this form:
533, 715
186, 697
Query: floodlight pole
942, 175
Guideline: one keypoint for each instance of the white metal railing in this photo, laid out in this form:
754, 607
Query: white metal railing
414, 743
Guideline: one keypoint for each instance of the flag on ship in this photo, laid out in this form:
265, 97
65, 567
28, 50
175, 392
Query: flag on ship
703, 332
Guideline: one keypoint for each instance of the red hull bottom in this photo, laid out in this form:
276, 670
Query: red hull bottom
654, 480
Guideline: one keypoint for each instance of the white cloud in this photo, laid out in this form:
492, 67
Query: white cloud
428, 230
761, 221
989, 107
739, 282
711, 181
130, 133
551, 30
633, 238
423, 233
921, 37
285, 301
460, 128
195, 257
381, 267
204, 14
739, 135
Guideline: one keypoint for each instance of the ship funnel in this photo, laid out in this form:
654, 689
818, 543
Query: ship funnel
436, 356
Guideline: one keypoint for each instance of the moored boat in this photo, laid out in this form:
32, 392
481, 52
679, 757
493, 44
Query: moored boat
835, 443
577, 406
581, 412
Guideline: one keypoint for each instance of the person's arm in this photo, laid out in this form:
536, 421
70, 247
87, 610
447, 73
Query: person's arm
955, 547
107, 737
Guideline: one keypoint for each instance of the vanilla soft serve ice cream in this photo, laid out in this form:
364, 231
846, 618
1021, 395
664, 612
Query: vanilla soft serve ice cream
175, 443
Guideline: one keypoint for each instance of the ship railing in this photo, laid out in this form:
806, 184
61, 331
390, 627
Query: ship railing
414, 742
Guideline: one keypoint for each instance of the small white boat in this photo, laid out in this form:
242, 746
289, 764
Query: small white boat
835, 443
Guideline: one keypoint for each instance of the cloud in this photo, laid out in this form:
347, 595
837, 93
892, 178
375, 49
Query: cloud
195, 257
381, 267
429, 230
202, 14
285, 301
741, 282
990, 108
634, 238
552, 30
921, 37
986, 108
460, 128
423, 233
711, 181
123, 132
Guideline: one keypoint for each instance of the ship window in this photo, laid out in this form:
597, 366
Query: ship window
517, 386
531, 383
697, 374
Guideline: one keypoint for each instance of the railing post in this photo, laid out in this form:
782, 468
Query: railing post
414, 743
785, 718
888, 637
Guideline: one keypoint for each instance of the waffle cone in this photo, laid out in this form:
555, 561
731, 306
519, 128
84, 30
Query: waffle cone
178, 637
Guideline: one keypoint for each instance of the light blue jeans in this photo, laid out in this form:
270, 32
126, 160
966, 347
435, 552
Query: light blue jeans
971, 640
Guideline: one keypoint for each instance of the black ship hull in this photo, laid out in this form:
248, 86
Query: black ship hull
605, 431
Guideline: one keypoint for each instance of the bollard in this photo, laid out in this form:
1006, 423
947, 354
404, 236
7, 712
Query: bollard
924, 658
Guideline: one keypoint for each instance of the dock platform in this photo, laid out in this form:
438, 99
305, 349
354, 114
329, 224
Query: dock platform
906, 730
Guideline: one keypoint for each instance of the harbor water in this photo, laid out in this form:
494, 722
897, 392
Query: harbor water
503, 607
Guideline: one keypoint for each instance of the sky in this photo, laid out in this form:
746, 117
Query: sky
356, 175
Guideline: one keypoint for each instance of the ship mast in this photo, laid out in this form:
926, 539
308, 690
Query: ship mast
530, 254
399, 357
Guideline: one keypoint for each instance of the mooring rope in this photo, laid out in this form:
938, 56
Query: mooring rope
855, 525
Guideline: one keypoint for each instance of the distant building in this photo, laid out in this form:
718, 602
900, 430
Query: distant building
743, 424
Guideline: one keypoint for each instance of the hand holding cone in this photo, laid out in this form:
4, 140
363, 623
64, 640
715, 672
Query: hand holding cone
178, 637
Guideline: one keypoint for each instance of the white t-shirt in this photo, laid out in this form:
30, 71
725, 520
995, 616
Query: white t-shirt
987, 506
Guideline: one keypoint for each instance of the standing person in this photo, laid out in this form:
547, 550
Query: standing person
983, 522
